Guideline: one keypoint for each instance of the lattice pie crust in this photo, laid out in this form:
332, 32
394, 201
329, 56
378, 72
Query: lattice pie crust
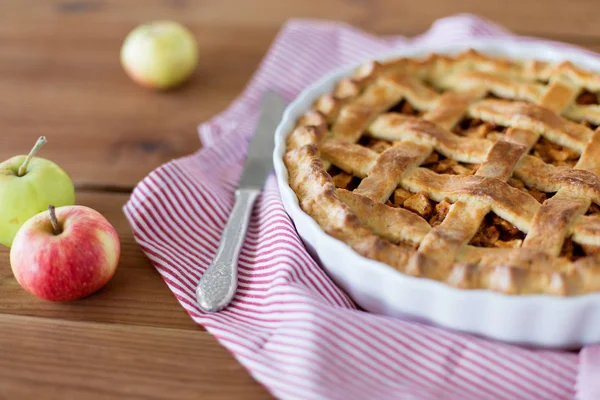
479, 172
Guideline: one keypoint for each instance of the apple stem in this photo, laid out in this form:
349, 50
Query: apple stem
38, 145
55, 226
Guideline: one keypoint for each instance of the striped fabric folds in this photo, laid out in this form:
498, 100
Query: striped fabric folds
289, 325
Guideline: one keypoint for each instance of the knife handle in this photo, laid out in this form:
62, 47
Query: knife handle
218, 284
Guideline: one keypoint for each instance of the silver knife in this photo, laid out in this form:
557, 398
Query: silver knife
219, 283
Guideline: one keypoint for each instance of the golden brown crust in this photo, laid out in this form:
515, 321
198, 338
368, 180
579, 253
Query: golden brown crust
390, 216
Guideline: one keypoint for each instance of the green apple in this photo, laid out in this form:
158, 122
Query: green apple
28, 185
160, 54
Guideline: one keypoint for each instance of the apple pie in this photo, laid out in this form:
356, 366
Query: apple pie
479, 172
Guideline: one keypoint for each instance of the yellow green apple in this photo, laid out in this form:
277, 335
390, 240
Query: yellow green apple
159, 54
28, 185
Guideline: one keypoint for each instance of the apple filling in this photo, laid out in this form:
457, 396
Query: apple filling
494, 231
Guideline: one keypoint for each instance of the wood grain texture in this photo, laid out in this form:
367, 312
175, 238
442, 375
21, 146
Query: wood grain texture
54, 359
60, 77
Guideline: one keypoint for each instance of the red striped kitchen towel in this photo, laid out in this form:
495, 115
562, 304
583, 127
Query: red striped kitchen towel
289, 325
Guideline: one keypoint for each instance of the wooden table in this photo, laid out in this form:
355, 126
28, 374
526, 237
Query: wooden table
60, 77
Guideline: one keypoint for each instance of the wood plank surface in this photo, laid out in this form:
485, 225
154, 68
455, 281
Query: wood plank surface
60, 77
55, 359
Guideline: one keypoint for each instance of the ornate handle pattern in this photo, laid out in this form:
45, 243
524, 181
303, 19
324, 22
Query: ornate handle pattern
218, 284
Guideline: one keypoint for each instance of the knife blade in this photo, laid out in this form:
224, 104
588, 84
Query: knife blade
259, 161
219, 283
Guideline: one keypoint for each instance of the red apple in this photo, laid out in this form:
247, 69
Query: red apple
65, 254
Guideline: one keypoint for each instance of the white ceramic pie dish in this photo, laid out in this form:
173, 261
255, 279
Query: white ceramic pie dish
539, 320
